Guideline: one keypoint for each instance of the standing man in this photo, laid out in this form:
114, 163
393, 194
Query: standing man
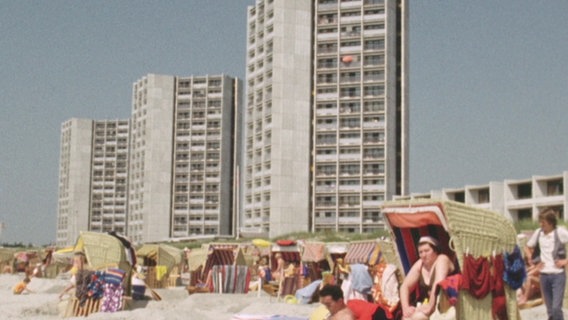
548, 244
331, 296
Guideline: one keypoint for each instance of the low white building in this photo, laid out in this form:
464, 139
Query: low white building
515, 199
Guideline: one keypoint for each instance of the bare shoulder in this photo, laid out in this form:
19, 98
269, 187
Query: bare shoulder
344, 314
444, 260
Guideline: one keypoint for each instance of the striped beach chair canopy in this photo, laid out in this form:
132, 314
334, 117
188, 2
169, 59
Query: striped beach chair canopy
363, 252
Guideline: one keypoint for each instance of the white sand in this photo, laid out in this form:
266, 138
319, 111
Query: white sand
176, 304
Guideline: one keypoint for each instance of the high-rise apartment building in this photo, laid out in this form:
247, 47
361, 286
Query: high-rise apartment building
360, 139
278, 117
326, 136
92, 178
166, 173
182, 157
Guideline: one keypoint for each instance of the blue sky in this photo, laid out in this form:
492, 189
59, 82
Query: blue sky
488, 85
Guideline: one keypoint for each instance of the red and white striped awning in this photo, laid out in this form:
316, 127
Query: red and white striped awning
360, 252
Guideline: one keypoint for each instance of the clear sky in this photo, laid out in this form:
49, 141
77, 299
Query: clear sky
488, 85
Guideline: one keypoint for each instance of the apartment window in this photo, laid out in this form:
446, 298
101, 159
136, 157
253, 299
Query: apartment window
349, 151
350, 123
349, 107
483, 196
349, 182
325, 169
327, 90
374, 137
350, 76
374, 11
374, 106
350, 135
524, 214
351, 14
327, 48
349, 169
524, 191
350, 92
327, 78
373, 60
322, 106
377, 44
373, 153
374, 90
327, 63
380, 26
554, 188
346, 44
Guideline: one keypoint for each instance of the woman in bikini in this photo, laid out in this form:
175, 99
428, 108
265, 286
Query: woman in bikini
426, 273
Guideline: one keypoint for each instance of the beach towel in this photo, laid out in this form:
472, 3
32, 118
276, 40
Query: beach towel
476, 276
361, 280
161, 272
304, 295
112, 298
515, 270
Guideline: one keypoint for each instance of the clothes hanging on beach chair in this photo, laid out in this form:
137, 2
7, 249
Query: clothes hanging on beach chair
95, 288
112, 298
83, 279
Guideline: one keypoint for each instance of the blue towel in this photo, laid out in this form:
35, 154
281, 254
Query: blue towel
305, 294
361, 280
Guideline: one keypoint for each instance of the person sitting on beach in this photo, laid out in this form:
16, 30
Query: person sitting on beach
278, 274
22, 286
331, 296
426, 273
531, 287
78, 265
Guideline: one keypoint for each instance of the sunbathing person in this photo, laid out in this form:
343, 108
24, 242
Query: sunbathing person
426, 273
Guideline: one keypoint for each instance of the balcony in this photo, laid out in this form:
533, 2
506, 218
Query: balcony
350, 157
326, 112
377, 124
326, 157
321, 221
350, 19
327, 96
352, 188
351, 4
373, 203
374, 32
324, 127
350, 141
349, 220
374, 17
325, 188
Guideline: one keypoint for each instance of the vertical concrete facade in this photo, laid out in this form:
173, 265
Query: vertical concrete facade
360, 141
93, 176
151, 158
278, 119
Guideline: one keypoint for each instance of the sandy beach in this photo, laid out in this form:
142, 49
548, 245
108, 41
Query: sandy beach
176, 304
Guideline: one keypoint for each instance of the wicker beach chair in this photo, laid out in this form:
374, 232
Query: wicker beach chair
461, 229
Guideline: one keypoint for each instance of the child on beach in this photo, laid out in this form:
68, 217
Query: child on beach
22, 286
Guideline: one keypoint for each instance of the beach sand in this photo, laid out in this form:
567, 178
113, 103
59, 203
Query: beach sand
44, 304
